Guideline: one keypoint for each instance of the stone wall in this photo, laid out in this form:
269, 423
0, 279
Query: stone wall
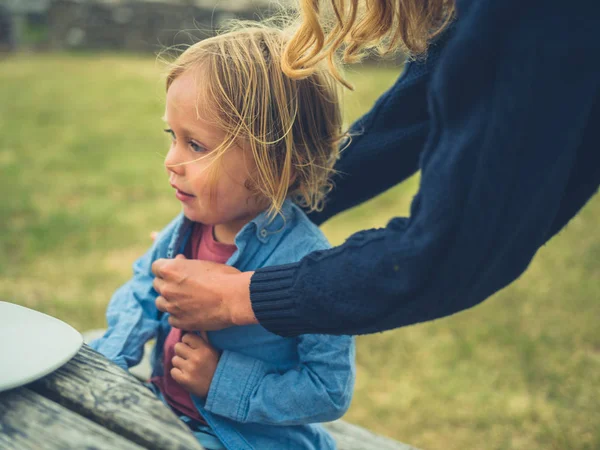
7, 31
132, 26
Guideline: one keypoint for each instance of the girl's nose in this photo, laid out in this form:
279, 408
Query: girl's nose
172, 162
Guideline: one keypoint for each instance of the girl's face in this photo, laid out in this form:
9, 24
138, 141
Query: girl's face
227, 203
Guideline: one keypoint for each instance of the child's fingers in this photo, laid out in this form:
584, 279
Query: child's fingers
153, 235
178, 362
192, 340
182, 350
177, 375
180, 256
204, 336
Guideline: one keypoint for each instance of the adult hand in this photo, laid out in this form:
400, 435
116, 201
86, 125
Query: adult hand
195, 363
202, 295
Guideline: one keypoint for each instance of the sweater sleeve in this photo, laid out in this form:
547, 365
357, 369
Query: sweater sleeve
509, 101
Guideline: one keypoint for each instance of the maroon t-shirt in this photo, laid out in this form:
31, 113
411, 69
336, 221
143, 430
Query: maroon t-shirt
202, 245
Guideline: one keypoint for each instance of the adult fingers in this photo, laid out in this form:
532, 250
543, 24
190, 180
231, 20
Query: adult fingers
171, 270
162, 304
158, 284
167, 289
158, 267
176, 322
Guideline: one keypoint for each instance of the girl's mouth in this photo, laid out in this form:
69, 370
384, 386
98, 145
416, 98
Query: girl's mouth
183, 196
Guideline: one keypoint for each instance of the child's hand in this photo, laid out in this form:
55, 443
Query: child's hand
195, 363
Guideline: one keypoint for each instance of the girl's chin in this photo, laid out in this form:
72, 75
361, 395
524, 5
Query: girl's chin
197, 216
193, 215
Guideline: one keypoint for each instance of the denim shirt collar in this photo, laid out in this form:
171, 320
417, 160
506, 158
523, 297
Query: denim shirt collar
265, 227
262, 227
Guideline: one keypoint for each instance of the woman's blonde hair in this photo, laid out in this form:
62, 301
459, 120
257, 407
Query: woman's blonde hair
361, 25
293, 128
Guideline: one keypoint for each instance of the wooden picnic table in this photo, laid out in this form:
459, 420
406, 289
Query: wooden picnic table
90, 403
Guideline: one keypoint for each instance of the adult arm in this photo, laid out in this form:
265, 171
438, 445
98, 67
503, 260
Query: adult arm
508, 101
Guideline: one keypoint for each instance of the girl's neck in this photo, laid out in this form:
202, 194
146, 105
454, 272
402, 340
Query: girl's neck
226, 232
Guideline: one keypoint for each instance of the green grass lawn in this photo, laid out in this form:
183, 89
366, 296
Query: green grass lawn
82, 182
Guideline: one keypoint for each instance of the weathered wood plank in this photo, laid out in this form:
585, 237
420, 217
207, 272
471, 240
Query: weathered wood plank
30, 421
94, 387
351, 437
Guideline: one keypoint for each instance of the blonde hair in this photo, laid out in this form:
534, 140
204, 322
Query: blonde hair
293, 128
361, 25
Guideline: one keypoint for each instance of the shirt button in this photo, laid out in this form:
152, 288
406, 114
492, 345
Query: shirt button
263, 233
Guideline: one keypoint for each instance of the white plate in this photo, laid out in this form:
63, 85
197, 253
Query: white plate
32, 345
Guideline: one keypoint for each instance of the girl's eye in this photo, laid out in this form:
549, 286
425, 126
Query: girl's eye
170, 133
196, 148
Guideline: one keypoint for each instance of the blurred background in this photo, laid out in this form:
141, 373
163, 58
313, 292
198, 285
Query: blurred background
82, 185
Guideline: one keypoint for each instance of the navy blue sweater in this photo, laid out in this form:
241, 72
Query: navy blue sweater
503, 120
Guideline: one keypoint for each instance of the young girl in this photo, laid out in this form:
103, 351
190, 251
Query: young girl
249, 146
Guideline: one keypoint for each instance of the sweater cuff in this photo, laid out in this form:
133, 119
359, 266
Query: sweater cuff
273, 302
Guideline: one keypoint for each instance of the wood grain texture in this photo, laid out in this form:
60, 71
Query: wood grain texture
92, 386
30, 421
351, 437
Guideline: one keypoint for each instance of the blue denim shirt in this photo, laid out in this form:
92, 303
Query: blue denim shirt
268, 391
